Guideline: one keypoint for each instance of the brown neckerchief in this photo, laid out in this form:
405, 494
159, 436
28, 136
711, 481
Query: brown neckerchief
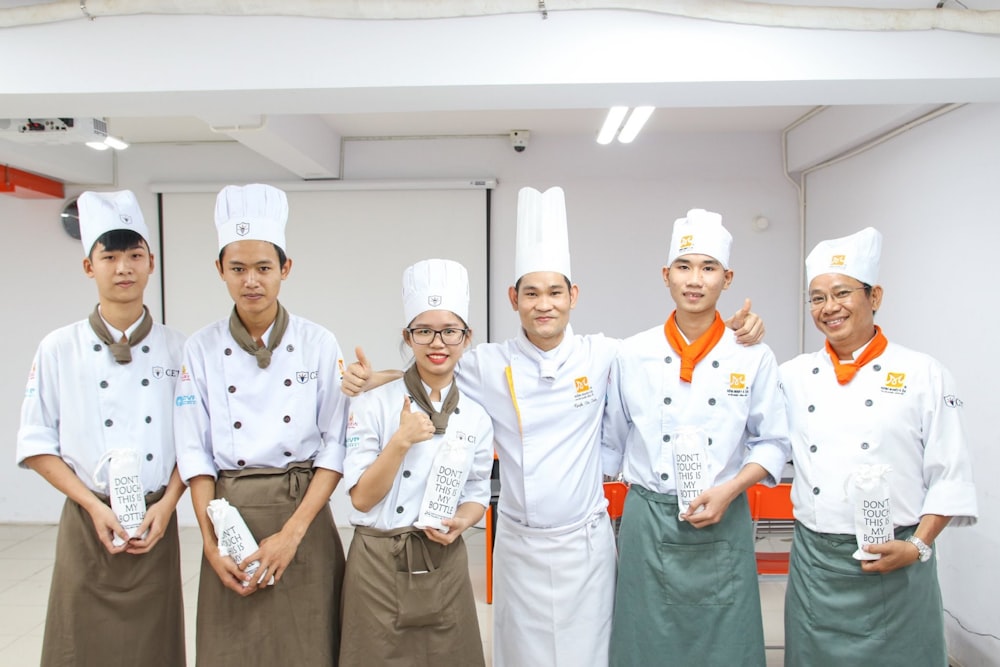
121, 351
414, 385
247, 342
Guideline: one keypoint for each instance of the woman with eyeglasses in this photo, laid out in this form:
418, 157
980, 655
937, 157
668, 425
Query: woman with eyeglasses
416, 448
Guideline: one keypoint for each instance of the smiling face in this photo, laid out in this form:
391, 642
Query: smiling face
121, 275
253, 277
543, 300
696, 282
436, 360
847, 319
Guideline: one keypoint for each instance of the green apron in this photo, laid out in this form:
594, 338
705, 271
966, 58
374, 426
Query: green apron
686, 596
837, 615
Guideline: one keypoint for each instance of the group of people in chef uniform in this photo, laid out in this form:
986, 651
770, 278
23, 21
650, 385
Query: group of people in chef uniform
261, 410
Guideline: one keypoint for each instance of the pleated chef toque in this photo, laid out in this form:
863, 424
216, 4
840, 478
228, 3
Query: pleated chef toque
700, 233
435, 284
856, 256
252, 212
542, 238
103, 212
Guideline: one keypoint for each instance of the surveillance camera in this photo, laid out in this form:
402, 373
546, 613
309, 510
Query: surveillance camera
519, 139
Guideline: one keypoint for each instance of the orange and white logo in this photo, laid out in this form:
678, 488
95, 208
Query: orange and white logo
838, 260
687, 241
737, 381
895, 380
582, 385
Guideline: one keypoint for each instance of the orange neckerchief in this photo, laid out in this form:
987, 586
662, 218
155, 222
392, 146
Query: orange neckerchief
696, 351
846, 370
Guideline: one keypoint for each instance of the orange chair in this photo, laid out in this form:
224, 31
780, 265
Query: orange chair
615, 492
770, 504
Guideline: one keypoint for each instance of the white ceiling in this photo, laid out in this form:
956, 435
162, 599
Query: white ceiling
168, 78
185, 129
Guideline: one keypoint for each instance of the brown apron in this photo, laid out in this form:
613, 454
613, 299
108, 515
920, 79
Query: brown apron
116, 609
296, 621
408, 601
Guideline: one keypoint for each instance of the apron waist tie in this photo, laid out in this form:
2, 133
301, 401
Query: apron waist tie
298, 473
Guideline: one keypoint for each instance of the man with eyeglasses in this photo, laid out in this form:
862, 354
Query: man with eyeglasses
861, 402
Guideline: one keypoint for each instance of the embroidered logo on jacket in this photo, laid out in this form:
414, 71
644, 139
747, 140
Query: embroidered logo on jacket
187, 399
953, 401
305, 376
895, 383
185, 376
584, 394
738, 385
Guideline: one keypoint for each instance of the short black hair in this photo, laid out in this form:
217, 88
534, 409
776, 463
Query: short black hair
282, 258
517, 285
119, 239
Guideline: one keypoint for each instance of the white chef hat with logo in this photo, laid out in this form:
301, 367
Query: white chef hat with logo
103, 212
542, 237
435, 284
856, 256
254, 212
700, 233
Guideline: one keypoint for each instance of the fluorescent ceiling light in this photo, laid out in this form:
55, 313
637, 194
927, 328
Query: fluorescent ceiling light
611, 125
120, 145
635, 121
109, 142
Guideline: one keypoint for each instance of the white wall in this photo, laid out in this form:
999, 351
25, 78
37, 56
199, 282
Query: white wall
932, 192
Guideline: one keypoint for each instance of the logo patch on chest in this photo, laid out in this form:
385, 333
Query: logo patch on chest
584, 394
738, 385
895, 383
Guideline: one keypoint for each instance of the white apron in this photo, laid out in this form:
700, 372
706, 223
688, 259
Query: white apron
576, 583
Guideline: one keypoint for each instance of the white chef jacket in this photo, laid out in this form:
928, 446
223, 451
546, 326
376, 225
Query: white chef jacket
901, 409
230, 415
547, 431
80, 403
733, 397
374, 418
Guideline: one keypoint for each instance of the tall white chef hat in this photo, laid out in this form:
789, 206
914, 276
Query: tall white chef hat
435, 284
856, 256
542, 239
103, 212
700, 233
252, 212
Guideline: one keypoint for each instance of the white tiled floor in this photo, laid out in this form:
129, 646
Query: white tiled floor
26, 553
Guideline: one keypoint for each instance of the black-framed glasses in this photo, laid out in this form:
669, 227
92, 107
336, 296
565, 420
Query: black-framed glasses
817, 301
449, 336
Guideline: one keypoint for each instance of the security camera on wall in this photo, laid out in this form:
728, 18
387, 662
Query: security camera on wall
519, 139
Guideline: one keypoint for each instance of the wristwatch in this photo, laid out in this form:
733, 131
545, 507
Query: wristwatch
925, 551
